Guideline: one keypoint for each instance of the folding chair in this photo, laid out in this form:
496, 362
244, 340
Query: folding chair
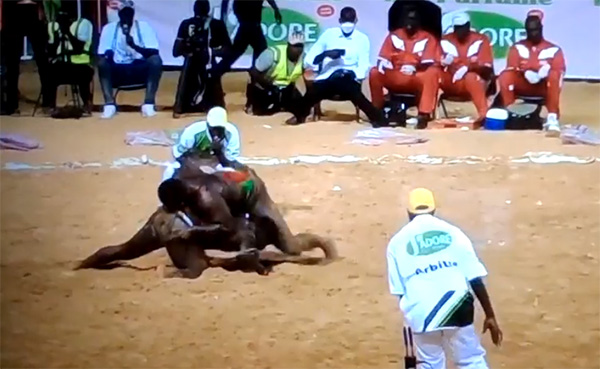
540, 101
318, 113
75, 97
398, 105
132, 87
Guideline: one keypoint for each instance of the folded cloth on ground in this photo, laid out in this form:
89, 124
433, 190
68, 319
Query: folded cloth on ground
579, 134
152, 138
10, 141
376, 137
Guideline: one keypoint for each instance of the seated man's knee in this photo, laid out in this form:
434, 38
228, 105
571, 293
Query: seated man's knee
374, 74
472, 77
103, 64
554, 76
431, 73
506, 78
155, 61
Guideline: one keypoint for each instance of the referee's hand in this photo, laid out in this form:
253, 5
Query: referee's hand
492, 325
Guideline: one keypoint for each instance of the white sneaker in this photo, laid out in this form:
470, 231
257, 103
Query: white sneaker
552, 126
148, 110
109, 111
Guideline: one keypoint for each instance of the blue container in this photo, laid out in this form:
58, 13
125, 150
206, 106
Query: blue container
495, 120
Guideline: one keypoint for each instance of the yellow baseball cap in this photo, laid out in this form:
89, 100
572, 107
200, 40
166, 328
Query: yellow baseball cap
420, 201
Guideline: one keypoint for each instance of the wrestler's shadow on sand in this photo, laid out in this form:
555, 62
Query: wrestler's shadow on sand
268, 259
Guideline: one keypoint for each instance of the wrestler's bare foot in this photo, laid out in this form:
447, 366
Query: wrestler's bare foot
250, 260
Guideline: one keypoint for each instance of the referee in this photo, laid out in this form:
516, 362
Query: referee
431, 265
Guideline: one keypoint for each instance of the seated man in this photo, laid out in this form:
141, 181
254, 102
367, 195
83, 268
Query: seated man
467, 57
407, 65
341, 58
201, 40
128, 55
69, 43
274, 76
535, 67
215, 136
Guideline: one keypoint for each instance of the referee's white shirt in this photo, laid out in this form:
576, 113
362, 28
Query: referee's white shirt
430, 263
356, 59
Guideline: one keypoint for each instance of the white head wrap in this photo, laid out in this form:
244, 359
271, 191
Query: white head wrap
460, 19
216, 117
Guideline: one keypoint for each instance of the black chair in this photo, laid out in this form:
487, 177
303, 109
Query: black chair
318, 113
397, 105
132, 87
540, 101
76, 99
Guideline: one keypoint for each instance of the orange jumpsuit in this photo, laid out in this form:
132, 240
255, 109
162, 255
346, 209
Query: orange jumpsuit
397, 50
475, 52
524, 56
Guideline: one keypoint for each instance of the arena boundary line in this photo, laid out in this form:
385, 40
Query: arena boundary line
424, 159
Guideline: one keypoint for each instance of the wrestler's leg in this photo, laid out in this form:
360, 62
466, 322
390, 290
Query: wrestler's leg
269, 219
189, 259
146, 240
216, 211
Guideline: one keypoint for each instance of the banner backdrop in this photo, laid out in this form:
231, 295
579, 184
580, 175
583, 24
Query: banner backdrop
572, 24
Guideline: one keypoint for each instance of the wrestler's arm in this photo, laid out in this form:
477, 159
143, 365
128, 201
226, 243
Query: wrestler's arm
194, 232
216, 211
229, 154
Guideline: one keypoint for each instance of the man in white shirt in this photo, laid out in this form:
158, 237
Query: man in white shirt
128, 51
215, 136
431, 265
341, 58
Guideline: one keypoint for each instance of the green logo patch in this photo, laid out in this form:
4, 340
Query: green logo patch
201, 142
502, 31
428, 243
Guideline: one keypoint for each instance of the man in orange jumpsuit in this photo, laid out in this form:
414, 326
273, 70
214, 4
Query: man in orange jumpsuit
468, 62
535, 67
407, 64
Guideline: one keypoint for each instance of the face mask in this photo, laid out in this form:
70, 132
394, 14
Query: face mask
347, 27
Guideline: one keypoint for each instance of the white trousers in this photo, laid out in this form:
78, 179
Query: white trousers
170, 170
463, 343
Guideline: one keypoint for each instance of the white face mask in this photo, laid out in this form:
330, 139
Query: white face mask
347, 27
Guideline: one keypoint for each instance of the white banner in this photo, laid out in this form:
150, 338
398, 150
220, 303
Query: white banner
572, 24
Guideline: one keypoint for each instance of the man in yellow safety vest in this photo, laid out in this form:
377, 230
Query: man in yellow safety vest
274, 76
69, 44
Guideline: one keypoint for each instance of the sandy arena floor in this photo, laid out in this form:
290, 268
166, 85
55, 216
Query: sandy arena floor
541, 249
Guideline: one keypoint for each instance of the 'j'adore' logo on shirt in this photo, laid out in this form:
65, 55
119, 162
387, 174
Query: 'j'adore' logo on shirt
428, 243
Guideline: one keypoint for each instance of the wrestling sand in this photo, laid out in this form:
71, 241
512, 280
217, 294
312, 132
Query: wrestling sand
536, 227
